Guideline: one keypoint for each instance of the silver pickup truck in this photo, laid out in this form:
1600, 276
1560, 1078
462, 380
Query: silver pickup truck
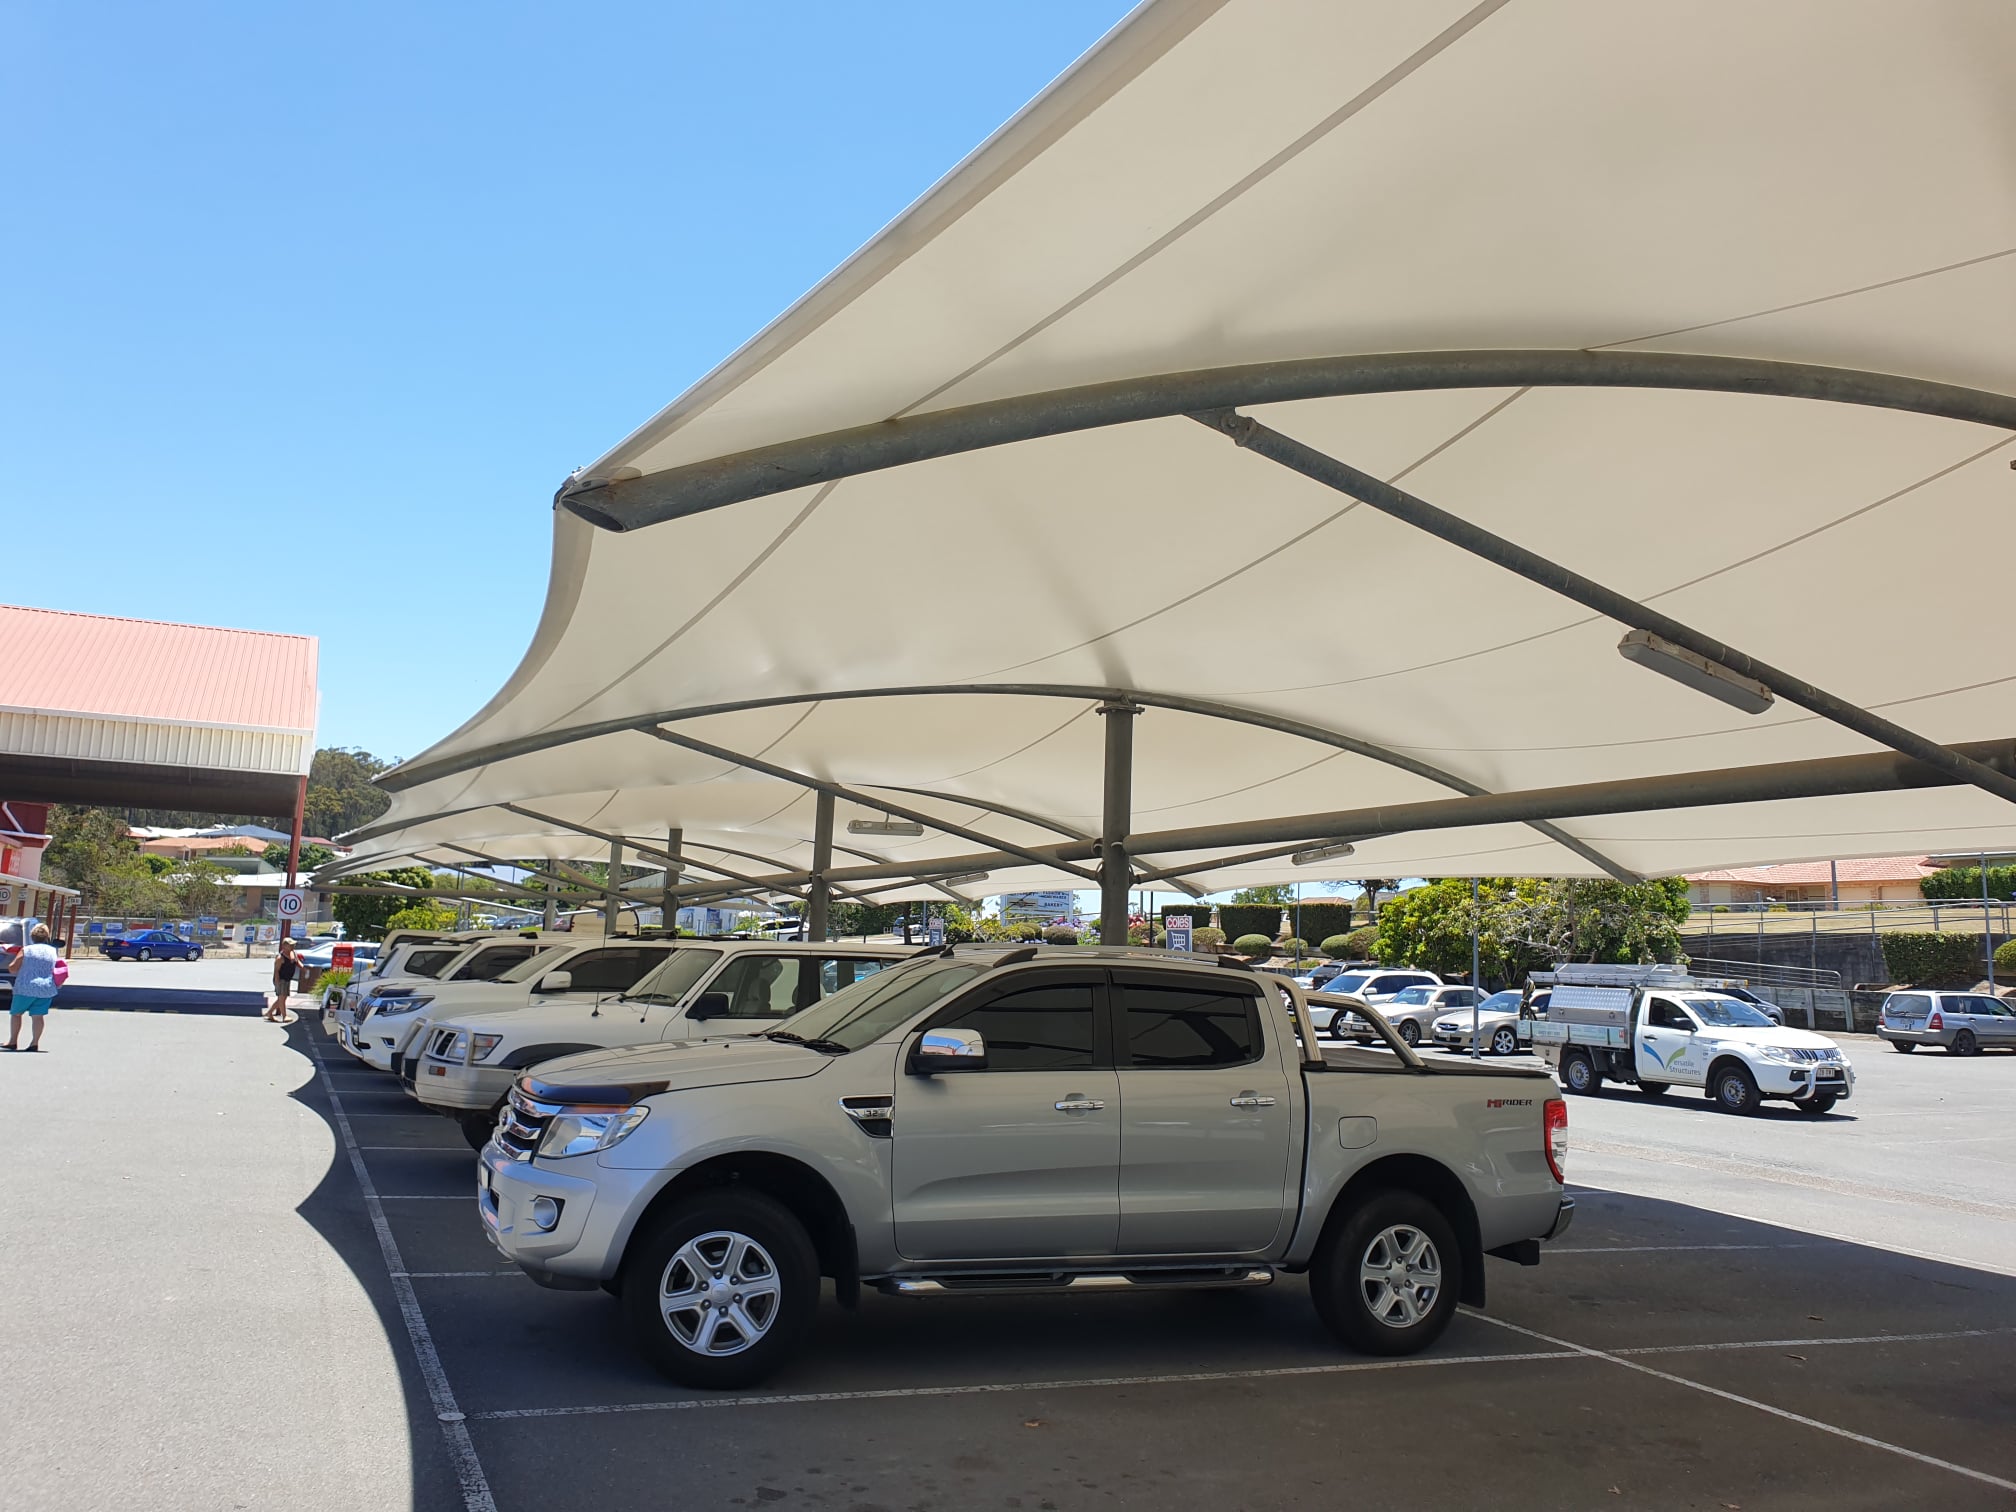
1028, 1119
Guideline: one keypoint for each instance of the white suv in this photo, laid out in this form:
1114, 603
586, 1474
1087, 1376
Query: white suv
373, 1025
1377, 985
709, 989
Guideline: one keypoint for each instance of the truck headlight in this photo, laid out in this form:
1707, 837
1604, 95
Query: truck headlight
1780, 1054
393, 1007
459, 1046
585, 1132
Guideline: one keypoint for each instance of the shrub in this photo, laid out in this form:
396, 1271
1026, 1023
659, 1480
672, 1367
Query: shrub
1963, 883
1358, 944
1318, 921
1241, 919
2005, 960
1060, 934
1253, 945
1294, 946
1337, 947
1207, 937
1928, 960
422, 916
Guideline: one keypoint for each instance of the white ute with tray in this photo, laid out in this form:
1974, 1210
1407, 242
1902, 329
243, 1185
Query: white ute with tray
1655, 1027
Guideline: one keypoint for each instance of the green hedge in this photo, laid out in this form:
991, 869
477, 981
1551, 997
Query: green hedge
2005, 960
1319, 921
1358, 944
1337, 947
1253, 945
1930, 960
1238, 919
1206, 937
1060, 934
1963, 883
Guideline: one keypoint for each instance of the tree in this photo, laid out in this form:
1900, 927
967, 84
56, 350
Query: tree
1280, 894
201, 889
90, 850
1596, 919
312, 858
426, 914
1525, 925
1373, 886
341, 795
366, 916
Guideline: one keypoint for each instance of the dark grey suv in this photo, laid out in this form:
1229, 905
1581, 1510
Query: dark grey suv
1964, 1023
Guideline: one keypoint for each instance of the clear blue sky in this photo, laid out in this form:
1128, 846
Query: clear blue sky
308, 309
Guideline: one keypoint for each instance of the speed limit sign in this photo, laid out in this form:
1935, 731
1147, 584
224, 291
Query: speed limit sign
291, 899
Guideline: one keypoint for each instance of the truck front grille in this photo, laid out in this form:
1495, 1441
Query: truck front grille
523, 1124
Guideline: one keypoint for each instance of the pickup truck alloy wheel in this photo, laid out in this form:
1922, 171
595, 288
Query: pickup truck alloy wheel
1386, 1277
1504, 1041
722, 1288
1735, 1090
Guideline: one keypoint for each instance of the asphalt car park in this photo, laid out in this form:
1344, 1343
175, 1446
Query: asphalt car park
1747, 1312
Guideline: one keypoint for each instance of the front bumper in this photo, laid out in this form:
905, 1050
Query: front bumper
585, 1244
1803, 1082
448, 1084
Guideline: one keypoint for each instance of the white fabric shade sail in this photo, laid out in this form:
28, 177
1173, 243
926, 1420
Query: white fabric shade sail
1565, 191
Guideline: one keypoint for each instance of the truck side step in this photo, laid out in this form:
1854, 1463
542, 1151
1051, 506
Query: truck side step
1022, 1283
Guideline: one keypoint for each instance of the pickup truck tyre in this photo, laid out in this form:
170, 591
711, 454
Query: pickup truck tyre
477, 1127
1655, 1089
1578, 1073
1964, 1043
1818, 1105
1504, 1041
1410, 1032
720, 1290
1734, 1089
1386, 1280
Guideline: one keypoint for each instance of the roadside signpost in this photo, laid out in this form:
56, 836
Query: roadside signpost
934, 933
292, 900
1179, 931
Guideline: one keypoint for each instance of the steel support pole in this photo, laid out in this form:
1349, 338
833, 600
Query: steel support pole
1987, 924
1397, 503
1476, 980
818, 902
668, 903
552, 904
612, 904
1117, 818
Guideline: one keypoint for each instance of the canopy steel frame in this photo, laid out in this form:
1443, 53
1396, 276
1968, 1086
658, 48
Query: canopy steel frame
1397, 503
828, 789
676, 492
1205, 708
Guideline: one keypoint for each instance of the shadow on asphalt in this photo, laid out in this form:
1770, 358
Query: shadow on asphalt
1729, 1303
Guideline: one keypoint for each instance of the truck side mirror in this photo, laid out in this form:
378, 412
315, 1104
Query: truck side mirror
710, 1005
556, 981
949, 1050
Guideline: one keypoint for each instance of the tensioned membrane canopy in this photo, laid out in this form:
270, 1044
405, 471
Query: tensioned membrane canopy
1256, 183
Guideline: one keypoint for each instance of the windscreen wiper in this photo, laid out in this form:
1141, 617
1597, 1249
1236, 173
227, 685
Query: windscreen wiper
786, 1036
826, 1046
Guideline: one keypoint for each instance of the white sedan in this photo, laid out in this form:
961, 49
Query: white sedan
1497, 1023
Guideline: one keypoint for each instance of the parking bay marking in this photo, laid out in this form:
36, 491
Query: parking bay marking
1786, 1177
1349, 1367
454, 1425
1617, 1358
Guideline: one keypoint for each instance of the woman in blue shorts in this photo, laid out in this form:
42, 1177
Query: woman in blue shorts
34, 988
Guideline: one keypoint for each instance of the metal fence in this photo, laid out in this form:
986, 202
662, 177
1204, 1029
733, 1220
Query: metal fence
1950, 916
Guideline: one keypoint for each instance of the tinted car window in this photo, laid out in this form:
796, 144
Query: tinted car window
1907, 1005
1037, 1029
613, 970
1665, 1015
492, 962
429, 963
1462, 997
1990, 1007
1186, 1028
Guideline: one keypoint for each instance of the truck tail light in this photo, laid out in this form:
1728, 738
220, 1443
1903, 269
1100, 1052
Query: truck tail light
1937, 1021
1557, 1137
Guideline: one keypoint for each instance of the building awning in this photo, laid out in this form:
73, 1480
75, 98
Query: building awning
1150, 404
141, 713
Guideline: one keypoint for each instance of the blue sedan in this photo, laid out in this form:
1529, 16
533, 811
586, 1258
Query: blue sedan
152, 945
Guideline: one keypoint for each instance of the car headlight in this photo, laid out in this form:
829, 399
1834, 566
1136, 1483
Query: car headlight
391, 1007
459, 1046
1780, 1054
583, 1133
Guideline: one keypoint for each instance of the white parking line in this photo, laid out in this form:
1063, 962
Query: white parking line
508, 1270
1909, 1338
454, 1428
1743, 1401
468, 1196
893, 1393
1667, 1249
442, 1149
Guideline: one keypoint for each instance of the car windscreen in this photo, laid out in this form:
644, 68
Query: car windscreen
1348, 982
535, 966
860, 1015
429, 963
1500, 1002
1413, 997
671, 982
1727, 1013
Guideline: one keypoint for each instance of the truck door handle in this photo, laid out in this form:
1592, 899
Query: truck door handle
1252, 1100
1080, 1105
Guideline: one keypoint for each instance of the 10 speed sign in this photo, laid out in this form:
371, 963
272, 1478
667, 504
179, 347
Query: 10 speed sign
291, 899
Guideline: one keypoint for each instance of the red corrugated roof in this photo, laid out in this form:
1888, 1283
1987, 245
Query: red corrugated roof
1811, 873
94, 664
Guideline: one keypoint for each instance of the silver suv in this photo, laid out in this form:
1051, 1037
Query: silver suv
1963, 1023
